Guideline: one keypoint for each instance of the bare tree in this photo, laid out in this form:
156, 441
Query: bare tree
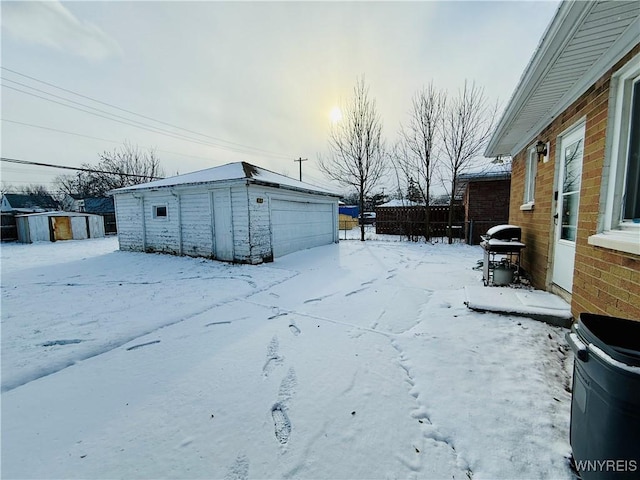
416, 155
357, 151
123, 167
6, 188
31, 189
34, 189
466, 128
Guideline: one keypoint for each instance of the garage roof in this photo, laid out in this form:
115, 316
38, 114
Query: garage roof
582, 42
229, 172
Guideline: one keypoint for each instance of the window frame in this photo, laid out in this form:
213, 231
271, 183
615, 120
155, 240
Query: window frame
613, 231
154, 212
530, 173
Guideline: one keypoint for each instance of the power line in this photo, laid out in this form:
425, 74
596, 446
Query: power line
79, 169
97, 138
238, 145
140, 125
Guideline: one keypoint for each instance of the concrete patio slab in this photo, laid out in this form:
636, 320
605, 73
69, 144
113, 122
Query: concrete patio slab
536, 304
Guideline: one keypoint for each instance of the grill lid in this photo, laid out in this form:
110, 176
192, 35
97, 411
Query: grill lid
504, 232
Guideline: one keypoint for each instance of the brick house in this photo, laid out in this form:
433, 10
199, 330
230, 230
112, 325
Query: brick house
578, 198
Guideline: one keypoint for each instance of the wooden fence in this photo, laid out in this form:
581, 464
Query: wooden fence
411, 221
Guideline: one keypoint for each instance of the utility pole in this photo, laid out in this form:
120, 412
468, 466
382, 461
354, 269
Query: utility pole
300, 160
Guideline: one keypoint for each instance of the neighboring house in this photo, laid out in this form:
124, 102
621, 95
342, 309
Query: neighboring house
54, 226
578, 202
486, 201
236, 212
102, 206
16, 203
23, 203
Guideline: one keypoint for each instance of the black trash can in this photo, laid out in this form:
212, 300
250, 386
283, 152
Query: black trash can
605, 404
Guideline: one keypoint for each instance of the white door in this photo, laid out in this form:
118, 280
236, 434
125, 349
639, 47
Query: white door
222, 224
567, 204
299, 225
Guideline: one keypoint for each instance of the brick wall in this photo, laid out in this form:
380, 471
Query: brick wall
605, 281
486, 205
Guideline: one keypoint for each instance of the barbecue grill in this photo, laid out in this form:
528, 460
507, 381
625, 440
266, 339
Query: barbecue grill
502, 247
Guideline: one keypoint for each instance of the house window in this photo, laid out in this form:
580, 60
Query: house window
530, 179
160, 212
619, 223
631, 207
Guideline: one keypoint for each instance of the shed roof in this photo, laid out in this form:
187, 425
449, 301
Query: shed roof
229, 172
581, 43
58, 213
21, 201
98, 205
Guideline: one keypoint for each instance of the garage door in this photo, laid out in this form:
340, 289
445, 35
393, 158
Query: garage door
299, 225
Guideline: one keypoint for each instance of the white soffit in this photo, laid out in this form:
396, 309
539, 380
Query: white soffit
582, 42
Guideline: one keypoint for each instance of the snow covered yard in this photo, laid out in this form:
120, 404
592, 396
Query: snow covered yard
356, 360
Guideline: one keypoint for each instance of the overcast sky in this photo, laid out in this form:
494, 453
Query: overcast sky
253, 82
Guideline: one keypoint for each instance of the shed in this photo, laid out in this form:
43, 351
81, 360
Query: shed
486, 200
102, 206
236, 212
53, 226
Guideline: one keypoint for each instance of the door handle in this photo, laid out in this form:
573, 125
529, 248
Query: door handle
555, 219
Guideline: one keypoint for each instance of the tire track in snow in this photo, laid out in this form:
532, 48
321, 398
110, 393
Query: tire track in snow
324, 319
421, 414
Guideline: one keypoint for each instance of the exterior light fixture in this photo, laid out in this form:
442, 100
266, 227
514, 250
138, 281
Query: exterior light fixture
541, 149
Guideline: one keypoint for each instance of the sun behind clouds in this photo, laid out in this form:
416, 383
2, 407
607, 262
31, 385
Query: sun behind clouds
335, 115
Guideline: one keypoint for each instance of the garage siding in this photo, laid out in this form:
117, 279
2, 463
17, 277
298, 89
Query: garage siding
240, 220
161, 232
195, 217
129, 221
260, 227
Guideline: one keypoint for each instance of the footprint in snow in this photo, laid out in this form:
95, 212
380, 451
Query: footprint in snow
273, 357
239, 470
281, 423
294, 328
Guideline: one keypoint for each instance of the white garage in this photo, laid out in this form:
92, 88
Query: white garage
236, 212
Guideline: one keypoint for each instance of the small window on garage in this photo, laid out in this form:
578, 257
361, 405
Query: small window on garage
160, 212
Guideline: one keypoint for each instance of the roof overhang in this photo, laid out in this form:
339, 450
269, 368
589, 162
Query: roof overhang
581, 43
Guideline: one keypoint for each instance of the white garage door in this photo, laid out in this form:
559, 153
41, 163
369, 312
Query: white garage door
299, 225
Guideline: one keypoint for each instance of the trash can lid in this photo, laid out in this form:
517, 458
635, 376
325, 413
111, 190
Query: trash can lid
617, 337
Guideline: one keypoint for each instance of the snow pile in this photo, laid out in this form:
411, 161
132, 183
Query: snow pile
357, 360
